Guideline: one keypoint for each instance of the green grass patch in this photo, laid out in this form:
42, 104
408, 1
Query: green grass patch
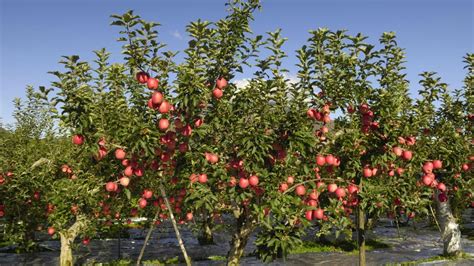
217, 258
344, 246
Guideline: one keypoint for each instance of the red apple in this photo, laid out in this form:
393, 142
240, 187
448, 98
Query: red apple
152, 83
217, 93
332, 188
189, 216
290, 180
142, 203
243, 182
253, 180
428, 167
283, 187
309, 215
202, 178
128, 171
147, 194
51, 230
157, 98
340, 192
300, 190
320, 160
165, 107
407, 155
78, 139
111, 186
120, 154
441, 187
318, 214
330, 159
437, 164
367, 172
124, 181
163, 124
397, 151
142, 77
221, 83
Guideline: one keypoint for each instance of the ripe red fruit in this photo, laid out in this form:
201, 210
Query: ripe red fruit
400, 171
465, 167
189, 216
441, 187
111, 186
314, 195
367, 172
78, 139
147, 194
283, 187
253, 180
142, 77
183, 147
221, 83
332, 188
300, 190
309, 215
340, 192
138, 171
142, 203
320, 160
156, 98
410, 141
318, 214
51, 230
428, 167
165, 107
290, 180
202, 178
407, 155
198, 122
120, 154
163, 124
86, 241
397, 151
36, 195
442, 197
330, 159
128, 171
311, 113
243, 182
124, 181
217, 93
428, 180
437, 164
211, 157
152, 83
352, 189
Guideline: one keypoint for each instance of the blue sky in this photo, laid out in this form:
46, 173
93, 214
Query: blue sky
35, 33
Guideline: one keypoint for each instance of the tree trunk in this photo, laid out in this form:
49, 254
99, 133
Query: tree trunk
361, 235
245, 227
65, 258
451, 234
206, 237
67, 238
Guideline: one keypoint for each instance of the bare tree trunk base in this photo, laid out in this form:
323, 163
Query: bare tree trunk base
451, 233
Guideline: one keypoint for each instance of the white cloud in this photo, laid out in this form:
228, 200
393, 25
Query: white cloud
241, 83
177, 35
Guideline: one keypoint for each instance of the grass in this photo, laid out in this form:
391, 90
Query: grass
217, 258
434, 258
345, 246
